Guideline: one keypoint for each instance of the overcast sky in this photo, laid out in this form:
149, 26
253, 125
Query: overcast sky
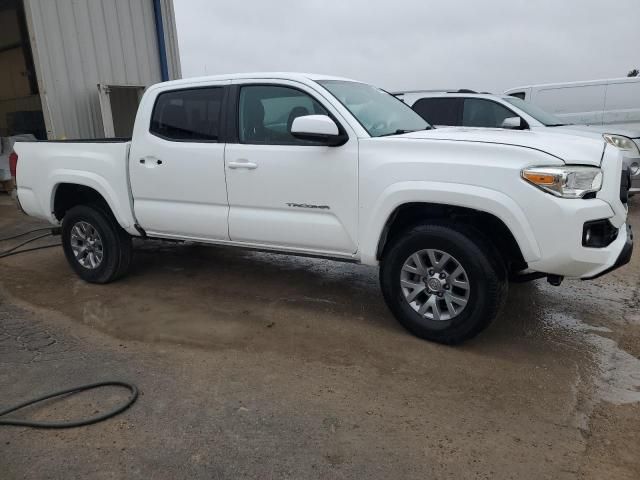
414, 44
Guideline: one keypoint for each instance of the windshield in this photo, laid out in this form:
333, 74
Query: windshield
545, 118
377, 111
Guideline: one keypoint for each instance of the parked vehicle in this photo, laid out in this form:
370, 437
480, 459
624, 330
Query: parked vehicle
467, 108
330, 167
614, 101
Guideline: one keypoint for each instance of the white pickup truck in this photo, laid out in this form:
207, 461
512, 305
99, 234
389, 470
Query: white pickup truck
330, 167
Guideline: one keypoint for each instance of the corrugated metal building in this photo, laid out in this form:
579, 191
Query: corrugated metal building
76, 68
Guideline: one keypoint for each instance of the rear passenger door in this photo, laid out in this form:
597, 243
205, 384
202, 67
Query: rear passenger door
176, 165
440, 111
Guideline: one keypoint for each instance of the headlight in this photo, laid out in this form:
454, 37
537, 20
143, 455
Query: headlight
623, 143
566, 182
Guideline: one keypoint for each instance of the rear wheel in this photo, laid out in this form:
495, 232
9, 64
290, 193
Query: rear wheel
443, 283
95, 245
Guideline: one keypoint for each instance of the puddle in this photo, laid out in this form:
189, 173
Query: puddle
619, 381
618, 376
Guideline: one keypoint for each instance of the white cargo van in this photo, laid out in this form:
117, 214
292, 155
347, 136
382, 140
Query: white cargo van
614, 101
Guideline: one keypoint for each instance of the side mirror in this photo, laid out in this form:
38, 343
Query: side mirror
513, 123
318, 128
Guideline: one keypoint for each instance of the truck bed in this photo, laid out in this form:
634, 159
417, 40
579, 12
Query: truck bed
100, 164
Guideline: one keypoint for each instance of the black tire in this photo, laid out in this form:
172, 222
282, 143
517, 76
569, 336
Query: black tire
484, 269
117, 247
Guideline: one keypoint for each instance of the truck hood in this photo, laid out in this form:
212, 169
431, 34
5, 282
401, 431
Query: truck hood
595, 130
571, 149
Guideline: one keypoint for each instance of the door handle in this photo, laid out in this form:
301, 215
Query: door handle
242, 164
150, 161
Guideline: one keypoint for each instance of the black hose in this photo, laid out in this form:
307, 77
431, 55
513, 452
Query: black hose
76, 423
71, 424
24, 233
8, 254
13, 249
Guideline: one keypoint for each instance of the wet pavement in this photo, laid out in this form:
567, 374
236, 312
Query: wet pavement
255, 365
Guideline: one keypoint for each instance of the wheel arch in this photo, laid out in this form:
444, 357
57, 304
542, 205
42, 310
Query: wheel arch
68, 191
489, 211
489, 225
68, 195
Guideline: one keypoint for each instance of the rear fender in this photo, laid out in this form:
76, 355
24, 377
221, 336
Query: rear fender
120, 208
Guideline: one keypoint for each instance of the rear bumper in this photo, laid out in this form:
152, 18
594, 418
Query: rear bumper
12, 190
16, 199
623, 258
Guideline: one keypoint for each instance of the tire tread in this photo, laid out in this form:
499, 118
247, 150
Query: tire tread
114, 238
488, 258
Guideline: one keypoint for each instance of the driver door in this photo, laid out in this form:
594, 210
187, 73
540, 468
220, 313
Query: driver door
284, 192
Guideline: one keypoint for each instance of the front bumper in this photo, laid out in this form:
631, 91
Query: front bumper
632, 161
563, 252
623, 258
573, 260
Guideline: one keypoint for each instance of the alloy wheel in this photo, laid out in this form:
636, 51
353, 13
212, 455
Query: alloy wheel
435, 284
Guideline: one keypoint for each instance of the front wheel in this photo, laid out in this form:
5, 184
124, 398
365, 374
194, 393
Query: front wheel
96, 247
442, 283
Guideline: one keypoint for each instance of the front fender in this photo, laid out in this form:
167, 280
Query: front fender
460, 195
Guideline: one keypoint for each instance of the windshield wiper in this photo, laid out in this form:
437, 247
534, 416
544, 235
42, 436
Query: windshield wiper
557, 125
400, 131
397, 132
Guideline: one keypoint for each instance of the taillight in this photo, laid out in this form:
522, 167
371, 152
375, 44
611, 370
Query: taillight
13, 163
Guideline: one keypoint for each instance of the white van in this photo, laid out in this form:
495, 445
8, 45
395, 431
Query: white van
597, 102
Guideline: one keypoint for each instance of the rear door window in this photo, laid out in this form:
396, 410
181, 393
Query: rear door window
479, 112
188, 115
439, 110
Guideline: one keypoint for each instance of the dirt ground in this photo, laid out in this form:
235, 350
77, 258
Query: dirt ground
255, 365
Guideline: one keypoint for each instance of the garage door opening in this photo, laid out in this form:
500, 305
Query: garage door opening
20, 106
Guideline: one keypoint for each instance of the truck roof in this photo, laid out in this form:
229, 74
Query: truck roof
303, 77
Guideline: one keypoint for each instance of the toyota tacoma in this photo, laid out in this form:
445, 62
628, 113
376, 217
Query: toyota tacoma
330, 167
